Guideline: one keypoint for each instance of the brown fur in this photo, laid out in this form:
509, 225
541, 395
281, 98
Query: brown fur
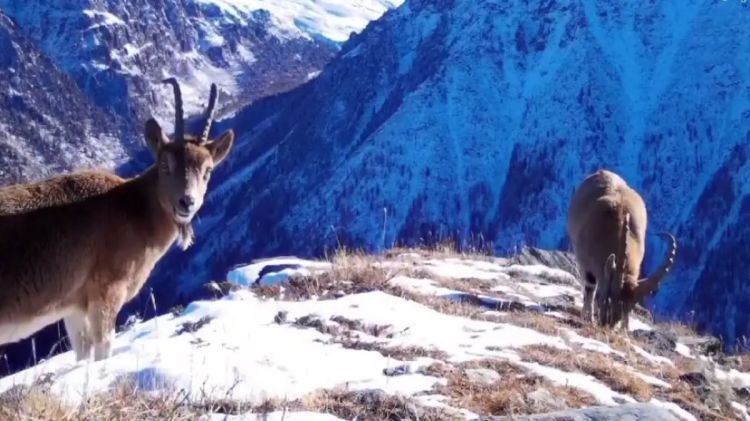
78, 247
57, 190
607, 223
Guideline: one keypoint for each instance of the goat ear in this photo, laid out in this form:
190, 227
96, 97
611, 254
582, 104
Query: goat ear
220, 147
155, 137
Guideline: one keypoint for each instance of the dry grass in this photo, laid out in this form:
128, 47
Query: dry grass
687, 397
372, 406
678, 329
596, 364
534, 320
126, 402
401, 353
442, 251
344, 332
515, 392
123, 402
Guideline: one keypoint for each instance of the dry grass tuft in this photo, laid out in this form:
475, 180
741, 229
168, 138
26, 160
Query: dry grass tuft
534, 320
516, 392
372, 405
123, 402
344, 332
126, 402
596, 364
401, 353
442, 251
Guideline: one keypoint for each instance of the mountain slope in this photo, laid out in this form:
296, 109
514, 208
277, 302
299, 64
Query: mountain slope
118, 52
411, 335
477, 119
53, 127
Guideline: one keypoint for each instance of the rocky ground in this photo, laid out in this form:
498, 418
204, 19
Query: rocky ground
412, 334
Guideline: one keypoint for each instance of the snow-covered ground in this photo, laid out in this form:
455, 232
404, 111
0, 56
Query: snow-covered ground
253, 345
331, 19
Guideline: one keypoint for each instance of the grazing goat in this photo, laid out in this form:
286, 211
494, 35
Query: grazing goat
82, 258
607, 226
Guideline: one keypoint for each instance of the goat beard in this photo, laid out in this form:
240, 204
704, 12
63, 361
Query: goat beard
185, 235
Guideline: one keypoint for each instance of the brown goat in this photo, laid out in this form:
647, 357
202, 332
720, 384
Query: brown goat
607, 226
81, 259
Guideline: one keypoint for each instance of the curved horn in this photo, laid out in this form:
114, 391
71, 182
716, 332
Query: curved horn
647, 285
179, 118
209, 113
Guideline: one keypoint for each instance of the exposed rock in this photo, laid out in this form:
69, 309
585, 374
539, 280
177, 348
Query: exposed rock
625, 412
695, 379
553, 259
703, 345
545, 400
397, 371
482, 376
661, 342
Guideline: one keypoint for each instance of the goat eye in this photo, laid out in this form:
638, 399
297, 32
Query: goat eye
164, 165
207, 174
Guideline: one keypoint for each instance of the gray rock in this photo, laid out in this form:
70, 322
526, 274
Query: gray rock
552, 258
625, 412
482, 375
661, 342
543, 399
397, 371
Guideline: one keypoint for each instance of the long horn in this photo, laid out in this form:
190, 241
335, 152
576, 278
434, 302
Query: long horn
179, 118
209, 113
647, 285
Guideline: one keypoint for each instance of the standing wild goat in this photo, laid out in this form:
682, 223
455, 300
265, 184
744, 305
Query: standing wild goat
82, 258
607, 226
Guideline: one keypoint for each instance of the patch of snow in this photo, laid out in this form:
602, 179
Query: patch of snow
256, 359
601, 392
736, 379
589, 343
741, 410
246, 55
671, 406
249, 360
637, 324
549, 290
464, 269
656, 359
248, 274
542, 271
651, 380
683, 350
334, 20
213, 39
429, 287
106, 17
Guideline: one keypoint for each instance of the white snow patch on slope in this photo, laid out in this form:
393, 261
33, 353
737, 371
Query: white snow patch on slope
240, 354
246, 275
331, 19
107, 18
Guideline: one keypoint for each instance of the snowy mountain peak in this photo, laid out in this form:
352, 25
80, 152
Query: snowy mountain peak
333, 20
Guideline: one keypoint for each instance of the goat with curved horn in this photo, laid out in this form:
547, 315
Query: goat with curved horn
179, 117
209, 113
80, 246
607, 223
